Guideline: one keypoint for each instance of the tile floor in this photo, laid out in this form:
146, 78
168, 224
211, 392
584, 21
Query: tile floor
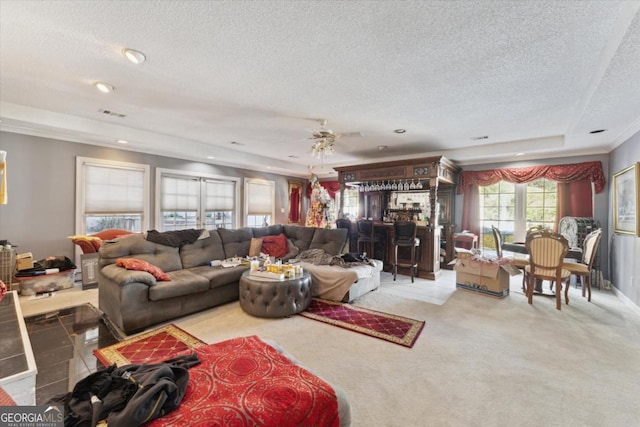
63, 342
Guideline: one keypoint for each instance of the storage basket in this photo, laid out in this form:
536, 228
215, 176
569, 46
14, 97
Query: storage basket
7, 265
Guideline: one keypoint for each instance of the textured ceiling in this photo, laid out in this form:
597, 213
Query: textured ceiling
533, 77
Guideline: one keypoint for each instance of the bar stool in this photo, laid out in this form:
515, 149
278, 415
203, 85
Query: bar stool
367, 236
405, 235
345, 223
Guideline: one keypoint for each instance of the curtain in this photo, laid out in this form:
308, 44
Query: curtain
3, 178
471, 209
574, 188
574, 199
560, 173
332, 187
294, 205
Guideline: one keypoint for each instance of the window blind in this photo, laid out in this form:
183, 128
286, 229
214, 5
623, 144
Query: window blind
219, 195
259, 198
113, 189
180, 194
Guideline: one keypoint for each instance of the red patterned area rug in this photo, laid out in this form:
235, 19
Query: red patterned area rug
389, 327
149, 347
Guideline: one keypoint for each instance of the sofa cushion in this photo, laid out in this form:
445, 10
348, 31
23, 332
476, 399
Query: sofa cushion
300, 236
256, 246
271, 230
183, 282
236, 242
275, 246
202, 251
139, 265
219, 276
166, 258
332, 241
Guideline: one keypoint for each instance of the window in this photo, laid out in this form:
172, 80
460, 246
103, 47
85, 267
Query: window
350, 204
190, 200
515, 208
111, 194
259, 202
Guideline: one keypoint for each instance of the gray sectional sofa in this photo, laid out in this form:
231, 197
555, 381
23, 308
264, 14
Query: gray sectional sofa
134, 299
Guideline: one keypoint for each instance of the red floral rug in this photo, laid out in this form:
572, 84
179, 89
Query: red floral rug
388, 327
149, 347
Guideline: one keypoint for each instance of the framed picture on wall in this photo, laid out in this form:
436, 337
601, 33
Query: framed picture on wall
626, 200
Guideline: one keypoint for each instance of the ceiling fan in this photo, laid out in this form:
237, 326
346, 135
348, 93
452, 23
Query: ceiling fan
324, 139
324, 133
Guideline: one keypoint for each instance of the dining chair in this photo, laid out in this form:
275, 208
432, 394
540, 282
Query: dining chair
547, 251
497, 238
590, 246
405, 236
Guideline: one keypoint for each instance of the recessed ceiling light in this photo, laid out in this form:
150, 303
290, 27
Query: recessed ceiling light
598, 131
210, 157
122, 141
400, 130
382, 147
104, 87
134, 56
519, 154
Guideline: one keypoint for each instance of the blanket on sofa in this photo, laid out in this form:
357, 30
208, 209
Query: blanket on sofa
246, 382
331, 275
176, 238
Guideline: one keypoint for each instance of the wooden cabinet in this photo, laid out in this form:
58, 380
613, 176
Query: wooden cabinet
436, 176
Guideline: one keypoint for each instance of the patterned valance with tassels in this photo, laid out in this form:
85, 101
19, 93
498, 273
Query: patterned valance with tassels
560, 173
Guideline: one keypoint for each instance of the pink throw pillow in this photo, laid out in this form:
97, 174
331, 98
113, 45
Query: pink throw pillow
139, 265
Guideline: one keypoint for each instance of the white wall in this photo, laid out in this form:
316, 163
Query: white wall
41, 189
624, 259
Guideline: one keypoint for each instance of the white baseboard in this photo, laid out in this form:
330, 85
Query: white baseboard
622, 297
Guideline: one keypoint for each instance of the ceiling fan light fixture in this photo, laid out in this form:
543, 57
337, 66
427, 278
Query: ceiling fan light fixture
134, 56
104, 87
321, 148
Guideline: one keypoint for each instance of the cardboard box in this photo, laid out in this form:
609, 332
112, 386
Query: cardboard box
24, 261
487, 277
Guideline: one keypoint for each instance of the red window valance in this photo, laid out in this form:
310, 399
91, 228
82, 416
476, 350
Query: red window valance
560, 173
332, 187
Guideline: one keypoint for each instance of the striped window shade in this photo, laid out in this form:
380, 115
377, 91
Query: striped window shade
220, 195
260, 197
180, 194
110, 189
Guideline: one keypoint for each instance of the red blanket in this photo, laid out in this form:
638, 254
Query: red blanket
246, 382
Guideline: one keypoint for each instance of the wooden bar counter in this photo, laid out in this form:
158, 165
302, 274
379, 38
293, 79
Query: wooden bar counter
428, 255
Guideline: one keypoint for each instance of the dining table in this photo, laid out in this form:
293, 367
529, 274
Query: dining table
521, 260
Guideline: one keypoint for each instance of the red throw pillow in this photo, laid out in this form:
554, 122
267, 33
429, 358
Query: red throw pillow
139, 265
275, 246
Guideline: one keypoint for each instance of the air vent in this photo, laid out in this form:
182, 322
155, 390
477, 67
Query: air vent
112, 113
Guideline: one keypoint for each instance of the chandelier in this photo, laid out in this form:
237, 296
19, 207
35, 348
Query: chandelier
322, 147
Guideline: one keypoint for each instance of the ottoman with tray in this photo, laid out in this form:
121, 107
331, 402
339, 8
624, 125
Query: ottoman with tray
273, 297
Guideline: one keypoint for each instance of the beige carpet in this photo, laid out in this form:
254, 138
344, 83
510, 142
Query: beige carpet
479, 361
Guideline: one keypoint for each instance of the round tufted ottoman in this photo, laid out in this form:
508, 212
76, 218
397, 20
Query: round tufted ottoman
265, 297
